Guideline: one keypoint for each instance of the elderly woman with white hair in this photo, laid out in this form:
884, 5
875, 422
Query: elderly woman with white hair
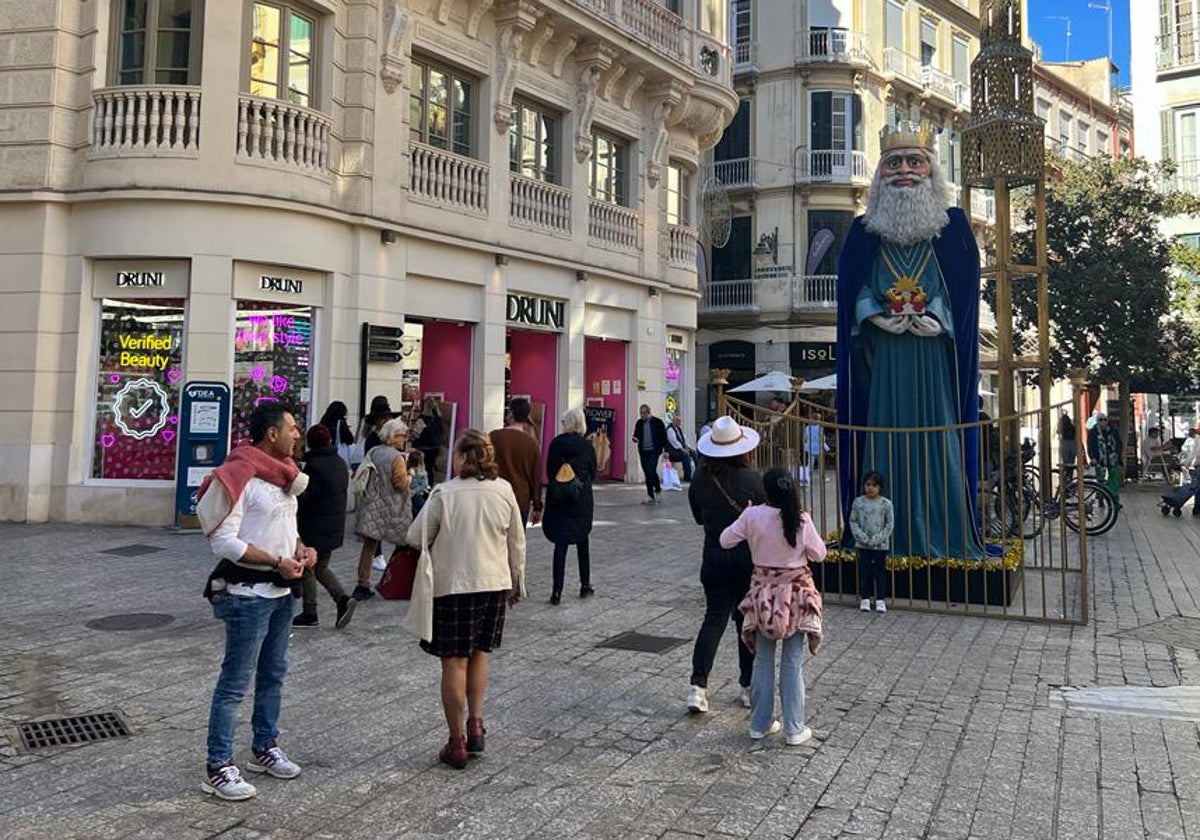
568, 510
384, 512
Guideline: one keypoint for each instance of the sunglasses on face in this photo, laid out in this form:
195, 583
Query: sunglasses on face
914, 161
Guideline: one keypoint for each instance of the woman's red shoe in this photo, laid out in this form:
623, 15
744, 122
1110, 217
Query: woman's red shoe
475, 733
455, 753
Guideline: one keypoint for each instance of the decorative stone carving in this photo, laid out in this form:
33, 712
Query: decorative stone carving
631, 87
565, 47
595, 60
664, 99
513, 20
443, 10
478, 10
542, 36
610, 80
391, 50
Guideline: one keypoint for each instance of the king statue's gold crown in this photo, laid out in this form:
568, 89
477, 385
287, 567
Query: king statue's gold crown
906, 135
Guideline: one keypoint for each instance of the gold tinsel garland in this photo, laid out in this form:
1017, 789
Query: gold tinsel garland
1014, 552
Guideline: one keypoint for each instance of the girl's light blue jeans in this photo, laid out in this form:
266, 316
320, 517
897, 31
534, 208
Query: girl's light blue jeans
791, 684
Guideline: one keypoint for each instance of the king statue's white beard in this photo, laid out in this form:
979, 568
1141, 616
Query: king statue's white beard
906, 215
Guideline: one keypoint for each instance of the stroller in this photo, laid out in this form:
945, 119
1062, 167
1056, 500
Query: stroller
1174, 501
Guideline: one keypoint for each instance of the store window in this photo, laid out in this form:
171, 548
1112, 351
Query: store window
533, 142
440, 107
282, 41
158, 42
137, 389
272, 361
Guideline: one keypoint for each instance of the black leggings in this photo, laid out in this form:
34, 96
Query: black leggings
560, 564
725, 576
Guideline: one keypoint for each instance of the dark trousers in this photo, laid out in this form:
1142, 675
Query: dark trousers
650, 468
725, 576
322, 574
560, 564
688, 465
872, 570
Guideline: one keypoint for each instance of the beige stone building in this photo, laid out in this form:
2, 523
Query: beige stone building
1086, 116
228, 190
818, 79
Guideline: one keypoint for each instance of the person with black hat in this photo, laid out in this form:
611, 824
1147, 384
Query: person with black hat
380, 413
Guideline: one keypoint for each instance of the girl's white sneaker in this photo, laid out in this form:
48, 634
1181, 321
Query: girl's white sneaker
865, 605
758, 736
800, 737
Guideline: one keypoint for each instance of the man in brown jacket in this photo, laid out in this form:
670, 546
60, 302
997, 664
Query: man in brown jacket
519, 458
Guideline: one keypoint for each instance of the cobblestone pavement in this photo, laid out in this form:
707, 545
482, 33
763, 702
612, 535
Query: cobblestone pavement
927, 726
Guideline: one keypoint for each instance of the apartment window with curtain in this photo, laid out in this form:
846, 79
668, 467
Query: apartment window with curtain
1185, 153
157, 42
441, 107
679, 186
282, 44
835, 121
929, 40
893, 25
1178, 20
609, 169
961, 59
1103, 144
533, 142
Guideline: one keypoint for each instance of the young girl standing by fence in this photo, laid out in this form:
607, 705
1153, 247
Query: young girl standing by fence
871, 525
782, 605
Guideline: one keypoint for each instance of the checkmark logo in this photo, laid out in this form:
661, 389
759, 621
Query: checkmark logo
138, 411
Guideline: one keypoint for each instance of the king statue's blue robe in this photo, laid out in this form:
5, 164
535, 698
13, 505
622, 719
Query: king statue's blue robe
886, 380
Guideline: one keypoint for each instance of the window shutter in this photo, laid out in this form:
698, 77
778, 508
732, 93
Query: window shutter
1168, 134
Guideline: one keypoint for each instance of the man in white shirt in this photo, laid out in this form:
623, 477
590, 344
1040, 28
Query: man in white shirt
247, 509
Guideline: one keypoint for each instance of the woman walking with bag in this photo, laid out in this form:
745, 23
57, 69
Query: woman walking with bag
384, 512
569, 506
476, 541
724, 486
321, 518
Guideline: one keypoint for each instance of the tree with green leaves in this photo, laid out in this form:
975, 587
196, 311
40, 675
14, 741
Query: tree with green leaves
1118, 307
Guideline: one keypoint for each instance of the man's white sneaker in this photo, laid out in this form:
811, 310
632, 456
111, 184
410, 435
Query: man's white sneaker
880, 606
378, 563
800, 737
865, 605
697, 701
274, 762
226, 782
758, 736
744, 697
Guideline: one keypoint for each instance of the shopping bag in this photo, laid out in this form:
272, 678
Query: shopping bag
419, 620
397, 581
670, 478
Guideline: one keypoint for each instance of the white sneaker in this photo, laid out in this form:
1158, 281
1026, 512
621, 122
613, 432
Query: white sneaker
744, 697
880, 606
274, 762
226, 782
378, 563
865, 605
758, 736
800, 737
697, 701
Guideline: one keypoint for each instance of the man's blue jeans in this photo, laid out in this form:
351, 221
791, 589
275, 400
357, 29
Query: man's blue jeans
791, 683
256, 641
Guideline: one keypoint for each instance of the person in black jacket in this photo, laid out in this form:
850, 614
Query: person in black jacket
650, 435
567, 521
321, 517
724, 486
431, 437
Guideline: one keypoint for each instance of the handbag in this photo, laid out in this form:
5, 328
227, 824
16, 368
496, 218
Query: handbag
397, 581
565, 487
419, 620
670, 478
362, 477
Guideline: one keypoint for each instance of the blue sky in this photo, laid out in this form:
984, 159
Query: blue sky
1089, 30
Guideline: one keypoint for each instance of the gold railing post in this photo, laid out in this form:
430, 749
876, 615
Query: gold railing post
720, 378
1078, 391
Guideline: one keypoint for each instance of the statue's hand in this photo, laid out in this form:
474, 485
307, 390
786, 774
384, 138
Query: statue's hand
925, 325
895, 324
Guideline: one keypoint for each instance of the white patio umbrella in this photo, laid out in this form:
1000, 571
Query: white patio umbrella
774, 381
822, 383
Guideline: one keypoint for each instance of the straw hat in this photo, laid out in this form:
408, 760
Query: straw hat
727, 439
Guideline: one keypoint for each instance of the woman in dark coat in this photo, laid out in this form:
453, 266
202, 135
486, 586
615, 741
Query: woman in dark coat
334, 419
321, 517
722, 488
430, 439
567, 521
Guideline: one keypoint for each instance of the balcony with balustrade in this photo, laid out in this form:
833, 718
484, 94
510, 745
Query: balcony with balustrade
946, 87
146, 121
722, 299
833, 45
745, 56
539, 205
1177, 53
814, 293
734, 173
446, 180
832, 166
284, 135
679, 246
613, 226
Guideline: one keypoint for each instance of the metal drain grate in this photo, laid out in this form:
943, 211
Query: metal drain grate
1177, 631
135, 550
66, 731
642, 643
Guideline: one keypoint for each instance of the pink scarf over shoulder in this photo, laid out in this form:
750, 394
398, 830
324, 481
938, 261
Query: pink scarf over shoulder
242, 464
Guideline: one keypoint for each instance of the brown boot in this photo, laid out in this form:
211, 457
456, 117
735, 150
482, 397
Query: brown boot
454, 753
475, 733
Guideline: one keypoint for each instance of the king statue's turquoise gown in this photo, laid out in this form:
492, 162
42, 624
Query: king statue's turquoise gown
913, 384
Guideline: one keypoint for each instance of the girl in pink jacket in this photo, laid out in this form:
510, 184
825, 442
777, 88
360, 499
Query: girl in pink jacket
782, 605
